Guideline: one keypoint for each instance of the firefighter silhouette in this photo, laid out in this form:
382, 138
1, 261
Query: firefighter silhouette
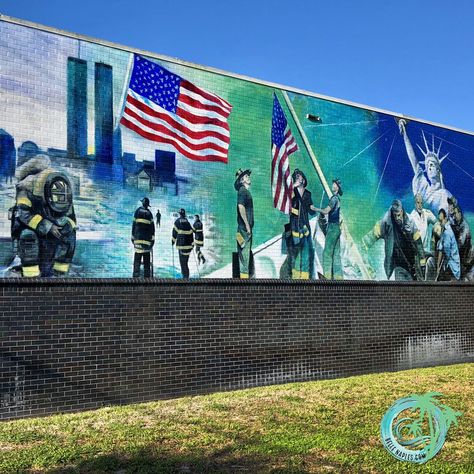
182, 236
143, 239
43, 220
198, 238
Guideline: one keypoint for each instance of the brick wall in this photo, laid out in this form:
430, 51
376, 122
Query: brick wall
75, 345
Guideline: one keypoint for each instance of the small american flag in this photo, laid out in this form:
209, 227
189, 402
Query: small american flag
283, 145
165, 108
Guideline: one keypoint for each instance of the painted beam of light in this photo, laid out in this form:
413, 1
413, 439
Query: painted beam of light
366, 148
451, 143
385, 166
336, 124
460, 167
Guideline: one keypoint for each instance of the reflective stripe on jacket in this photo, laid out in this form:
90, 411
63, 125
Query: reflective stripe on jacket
198, 233
183, 234
143, 230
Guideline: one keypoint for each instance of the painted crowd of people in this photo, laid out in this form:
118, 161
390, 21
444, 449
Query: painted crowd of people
297, 238
185, 237
417, 246
428, 244
432, 242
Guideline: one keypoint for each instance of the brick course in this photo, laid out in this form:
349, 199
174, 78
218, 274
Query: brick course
70, 345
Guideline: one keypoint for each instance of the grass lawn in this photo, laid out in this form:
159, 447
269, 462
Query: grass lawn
325, 426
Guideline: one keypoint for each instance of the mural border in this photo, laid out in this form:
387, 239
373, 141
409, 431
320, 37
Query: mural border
54, 282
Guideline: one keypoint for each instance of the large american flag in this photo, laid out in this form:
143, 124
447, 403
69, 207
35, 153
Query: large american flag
283, 145
165, 108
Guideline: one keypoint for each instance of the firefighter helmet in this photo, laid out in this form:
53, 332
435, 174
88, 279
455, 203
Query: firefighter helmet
58, 192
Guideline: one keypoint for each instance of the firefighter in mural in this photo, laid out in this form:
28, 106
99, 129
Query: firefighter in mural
198, 238
143, 239
245, 223
404, 253
448, 261
43, 227
183, 238
332, 247
462, 232
430, 187
158, 218
286, 249
452, 204
301, 252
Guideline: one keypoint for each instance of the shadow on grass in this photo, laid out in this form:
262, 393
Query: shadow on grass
231, 451
146, 462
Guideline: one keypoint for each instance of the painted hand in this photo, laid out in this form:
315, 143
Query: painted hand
56, 231
402, 126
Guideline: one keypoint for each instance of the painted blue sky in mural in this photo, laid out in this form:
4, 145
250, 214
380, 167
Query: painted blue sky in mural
408, 57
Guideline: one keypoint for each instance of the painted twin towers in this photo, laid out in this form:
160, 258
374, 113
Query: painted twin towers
77, 105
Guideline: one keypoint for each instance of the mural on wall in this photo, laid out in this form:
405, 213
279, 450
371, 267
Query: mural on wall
113, 165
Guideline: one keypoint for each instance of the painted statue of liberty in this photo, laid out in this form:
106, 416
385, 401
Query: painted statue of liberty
428, 182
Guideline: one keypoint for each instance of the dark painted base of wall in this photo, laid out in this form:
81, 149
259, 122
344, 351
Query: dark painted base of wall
74, 345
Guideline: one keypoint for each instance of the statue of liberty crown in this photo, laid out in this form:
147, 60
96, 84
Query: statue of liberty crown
431, 155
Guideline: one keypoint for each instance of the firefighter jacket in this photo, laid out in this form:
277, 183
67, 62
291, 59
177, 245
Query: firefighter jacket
198, 233
35, 212
143, 230
31, 211
29, 214
183, 235
299, 216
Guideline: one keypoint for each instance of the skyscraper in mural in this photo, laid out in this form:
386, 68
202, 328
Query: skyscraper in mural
165, 166
76, 107
104, 126
7, 154
117, 154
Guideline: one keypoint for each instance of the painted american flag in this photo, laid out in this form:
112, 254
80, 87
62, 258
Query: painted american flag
165, 108
283, 145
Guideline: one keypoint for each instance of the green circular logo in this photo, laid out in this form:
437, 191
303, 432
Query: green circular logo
414, 428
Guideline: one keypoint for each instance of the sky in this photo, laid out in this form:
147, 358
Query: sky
410, 57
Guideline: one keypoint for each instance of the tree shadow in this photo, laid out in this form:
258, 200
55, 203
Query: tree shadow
145, 461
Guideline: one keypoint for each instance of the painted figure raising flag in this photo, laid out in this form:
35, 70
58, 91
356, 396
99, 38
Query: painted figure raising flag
283, 145
163, 107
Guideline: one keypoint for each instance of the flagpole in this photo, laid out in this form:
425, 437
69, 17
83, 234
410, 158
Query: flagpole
125, 86
356, 254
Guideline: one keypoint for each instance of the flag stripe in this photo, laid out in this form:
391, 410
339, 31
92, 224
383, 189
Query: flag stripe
197, 110
173, 120
290, 143
207, 95
285, 195
161, 121
205, 156
292, 146
200, 102
281, 180
279, 183
162, 131
283, 145
276, 184
201, 120
288, 188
